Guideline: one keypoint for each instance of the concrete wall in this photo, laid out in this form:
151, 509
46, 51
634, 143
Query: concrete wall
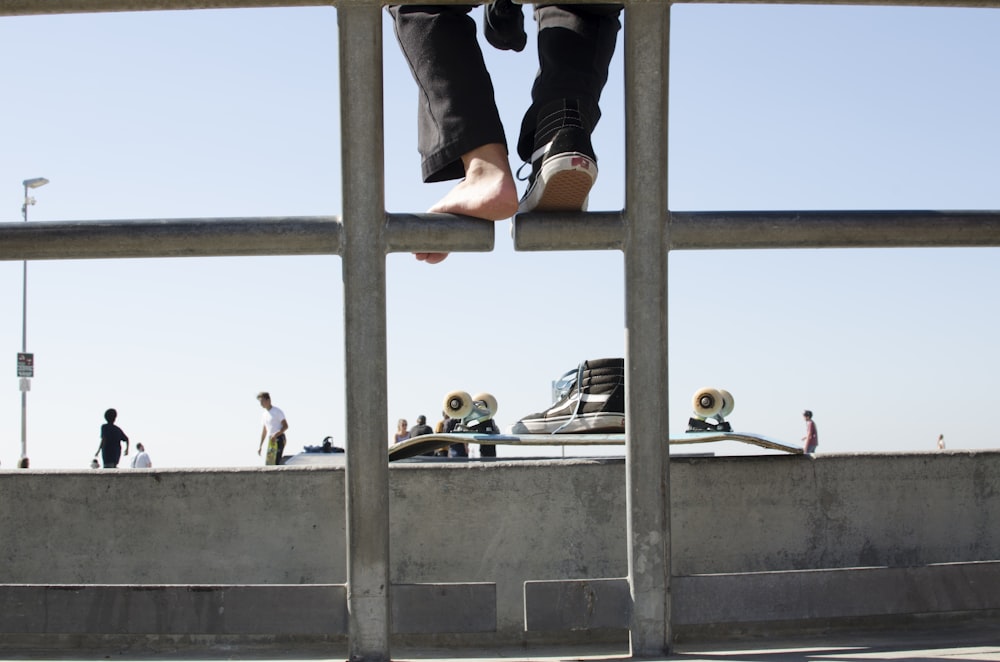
511, 522
834, 511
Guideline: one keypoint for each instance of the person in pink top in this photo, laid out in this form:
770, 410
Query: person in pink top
812, 437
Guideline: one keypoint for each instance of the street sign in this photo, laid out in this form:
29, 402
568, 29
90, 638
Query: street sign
25, 364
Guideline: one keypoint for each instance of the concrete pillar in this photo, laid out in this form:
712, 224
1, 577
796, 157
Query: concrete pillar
367, 472
646, 243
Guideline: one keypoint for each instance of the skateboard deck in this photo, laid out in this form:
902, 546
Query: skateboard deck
431, 442
272, 452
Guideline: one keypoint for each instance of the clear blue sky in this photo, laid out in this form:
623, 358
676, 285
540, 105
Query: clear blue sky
235, 113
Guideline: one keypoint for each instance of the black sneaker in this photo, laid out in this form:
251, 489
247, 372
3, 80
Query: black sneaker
591, 399
563, 165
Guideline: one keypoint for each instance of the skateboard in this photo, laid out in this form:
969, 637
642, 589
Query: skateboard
708, 424
272, 452
431, 442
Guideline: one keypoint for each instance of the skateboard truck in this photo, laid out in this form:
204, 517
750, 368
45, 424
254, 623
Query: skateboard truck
474, 414
711, 406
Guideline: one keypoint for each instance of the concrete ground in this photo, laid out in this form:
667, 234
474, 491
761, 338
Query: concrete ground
974, 642
981, 643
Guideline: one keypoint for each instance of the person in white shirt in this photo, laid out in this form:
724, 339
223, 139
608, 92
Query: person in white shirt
141, 459
273, 429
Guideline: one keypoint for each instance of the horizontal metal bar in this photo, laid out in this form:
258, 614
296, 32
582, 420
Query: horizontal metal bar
39, 7
571, 231
833, 229
191, 237
967, 4
767, 229
321, 235
222, 237
417, 233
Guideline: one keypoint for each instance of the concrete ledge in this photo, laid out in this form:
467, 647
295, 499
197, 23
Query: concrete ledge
444, 608
583, 604
147, 609
835, 593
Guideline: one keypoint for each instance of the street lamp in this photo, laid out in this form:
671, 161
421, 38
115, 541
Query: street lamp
25, 362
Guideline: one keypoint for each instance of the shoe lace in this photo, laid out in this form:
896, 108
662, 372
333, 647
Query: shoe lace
524, 178
563, 386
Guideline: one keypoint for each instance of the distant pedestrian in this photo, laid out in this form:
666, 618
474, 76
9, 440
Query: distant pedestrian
112, 438
447, 425
940, 442
812, 436
141, 459
421, 427
272, 429
402, 434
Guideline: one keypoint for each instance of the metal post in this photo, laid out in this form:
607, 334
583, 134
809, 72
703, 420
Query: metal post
647, 454
25, 382
364, 249
24, 348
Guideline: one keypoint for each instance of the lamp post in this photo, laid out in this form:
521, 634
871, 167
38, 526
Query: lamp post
25, 366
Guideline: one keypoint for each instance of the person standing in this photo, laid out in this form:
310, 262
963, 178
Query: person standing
273, 429
141, 459
812, 436
112, 438
402, 434
440, 426
421, 427
446, 426
940, 442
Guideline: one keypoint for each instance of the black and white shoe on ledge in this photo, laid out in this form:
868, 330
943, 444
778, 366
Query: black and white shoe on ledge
590, 400
563, 164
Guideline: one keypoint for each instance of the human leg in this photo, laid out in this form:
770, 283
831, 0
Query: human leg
575, 46
281, 439
459, 129
109, 458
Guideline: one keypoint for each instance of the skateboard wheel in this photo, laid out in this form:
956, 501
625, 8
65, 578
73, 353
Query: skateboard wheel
706, 402
489, 402
727, 403
457, 404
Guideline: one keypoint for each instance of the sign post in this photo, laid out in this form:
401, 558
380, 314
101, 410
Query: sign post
25, 371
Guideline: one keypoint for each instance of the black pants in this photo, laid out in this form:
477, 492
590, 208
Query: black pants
457, 111
280, 441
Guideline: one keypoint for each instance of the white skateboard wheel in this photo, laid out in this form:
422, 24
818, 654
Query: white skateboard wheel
706, 402
457, 404
489, 402
727, 403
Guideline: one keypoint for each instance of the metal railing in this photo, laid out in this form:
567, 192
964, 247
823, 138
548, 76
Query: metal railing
645, 231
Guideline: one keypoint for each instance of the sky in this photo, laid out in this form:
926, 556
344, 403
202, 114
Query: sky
223, 113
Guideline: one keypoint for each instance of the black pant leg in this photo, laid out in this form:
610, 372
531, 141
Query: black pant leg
575, 46
457, 111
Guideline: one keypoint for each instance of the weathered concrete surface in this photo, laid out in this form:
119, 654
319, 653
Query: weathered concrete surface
222, 610
835, 511
172, 527
879, 520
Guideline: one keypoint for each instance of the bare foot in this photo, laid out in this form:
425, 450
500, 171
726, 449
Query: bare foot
488, 191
